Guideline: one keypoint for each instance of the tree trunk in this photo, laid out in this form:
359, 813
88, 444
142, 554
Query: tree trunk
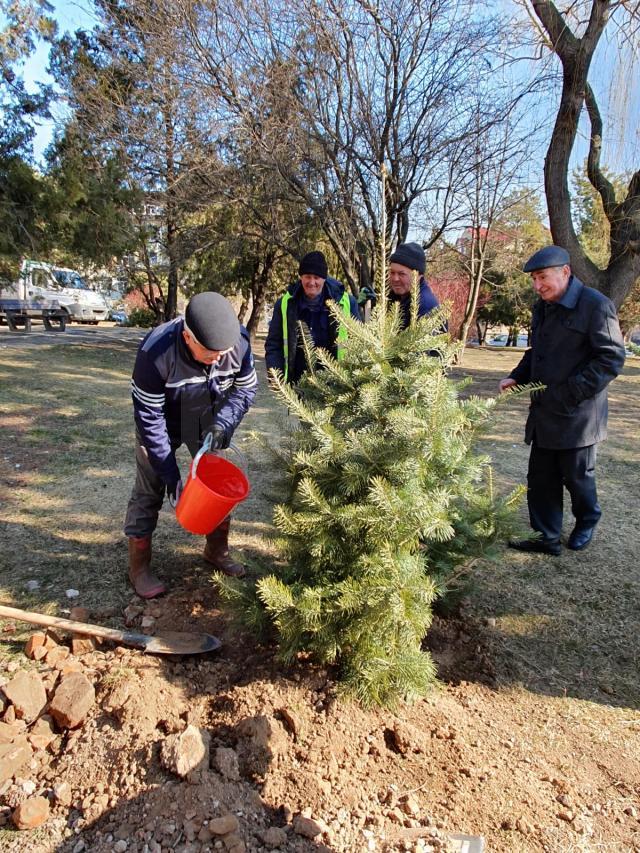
171, 308
576, 54
476, 272
242, 311
259, 291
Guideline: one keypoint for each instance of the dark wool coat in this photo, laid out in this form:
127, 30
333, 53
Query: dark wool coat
576, 350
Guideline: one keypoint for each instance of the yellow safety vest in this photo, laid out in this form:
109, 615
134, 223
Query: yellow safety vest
344, 303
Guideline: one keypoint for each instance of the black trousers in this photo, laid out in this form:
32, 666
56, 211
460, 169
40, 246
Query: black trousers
550, 471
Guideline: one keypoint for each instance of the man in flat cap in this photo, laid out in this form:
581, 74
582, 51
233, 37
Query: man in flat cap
306, 301
576, 350
406, 260
192, 376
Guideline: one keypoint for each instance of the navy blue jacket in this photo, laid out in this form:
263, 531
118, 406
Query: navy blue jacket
427, 301
323, 329
177, 400
576, 350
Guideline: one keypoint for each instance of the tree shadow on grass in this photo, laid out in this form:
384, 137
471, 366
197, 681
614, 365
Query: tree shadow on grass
552, 625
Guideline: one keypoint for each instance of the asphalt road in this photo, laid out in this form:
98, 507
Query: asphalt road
104, 333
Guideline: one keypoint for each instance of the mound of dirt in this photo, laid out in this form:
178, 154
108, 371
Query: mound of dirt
229, 751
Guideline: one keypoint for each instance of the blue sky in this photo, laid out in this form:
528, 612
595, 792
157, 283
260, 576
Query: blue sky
70, 16
618, 94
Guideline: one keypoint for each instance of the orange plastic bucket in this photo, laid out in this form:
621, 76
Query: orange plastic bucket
214, 487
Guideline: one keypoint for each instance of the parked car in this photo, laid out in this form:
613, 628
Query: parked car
501, 341
41, 286
118, 316
498, 340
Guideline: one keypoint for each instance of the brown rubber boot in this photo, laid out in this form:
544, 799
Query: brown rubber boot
216, 552
145, 583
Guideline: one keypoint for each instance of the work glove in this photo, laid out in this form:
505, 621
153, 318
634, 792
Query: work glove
174, 495
220, 440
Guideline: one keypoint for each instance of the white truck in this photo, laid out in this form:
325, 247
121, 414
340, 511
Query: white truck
46, 290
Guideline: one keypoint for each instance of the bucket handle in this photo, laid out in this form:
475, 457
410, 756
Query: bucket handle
206, 446
242, 459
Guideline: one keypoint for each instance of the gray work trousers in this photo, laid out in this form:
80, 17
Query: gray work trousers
147, 496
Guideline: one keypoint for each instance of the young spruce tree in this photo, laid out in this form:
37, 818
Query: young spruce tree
389, 504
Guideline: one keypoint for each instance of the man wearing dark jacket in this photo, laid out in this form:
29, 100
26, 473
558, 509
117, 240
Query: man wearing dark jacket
192, 376
408, 259
576, 350
306, 301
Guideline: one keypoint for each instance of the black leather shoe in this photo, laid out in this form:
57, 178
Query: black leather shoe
537, 546
580, 537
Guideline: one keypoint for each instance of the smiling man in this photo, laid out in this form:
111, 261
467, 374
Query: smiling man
306, 301
192, 376
407, 260
576, 350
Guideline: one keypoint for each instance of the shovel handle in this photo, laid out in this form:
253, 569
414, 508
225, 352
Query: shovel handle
68, 624
169, 644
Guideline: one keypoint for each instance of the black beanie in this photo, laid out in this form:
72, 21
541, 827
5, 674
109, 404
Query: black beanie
410, 255
314, 263
212, 321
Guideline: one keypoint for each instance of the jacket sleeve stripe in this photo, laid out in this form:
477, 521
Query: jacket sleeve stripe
247, 381
192, 380
216, 374
154, 400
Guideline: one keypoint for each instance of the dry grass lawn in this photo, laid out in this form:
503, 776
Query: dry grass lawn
561, 635
567, 626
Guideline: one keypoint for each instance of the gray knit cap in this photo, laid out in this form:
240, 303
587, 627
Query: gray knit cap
410, 255
211, 319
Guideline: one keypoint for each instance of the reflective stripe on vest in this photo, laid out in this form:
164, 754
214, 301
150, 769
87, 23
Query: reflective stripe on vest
344, 303
285, 334
342, 329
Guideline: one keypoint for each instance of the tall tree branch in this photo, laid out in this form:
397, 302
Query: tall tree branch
594, 173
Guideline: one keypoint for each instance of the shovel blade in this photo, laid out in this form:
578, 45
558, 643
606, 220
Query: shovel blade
177, 643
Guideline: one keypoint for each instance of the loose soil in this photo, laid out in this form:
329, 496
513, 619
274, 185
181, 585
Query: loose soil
531, 739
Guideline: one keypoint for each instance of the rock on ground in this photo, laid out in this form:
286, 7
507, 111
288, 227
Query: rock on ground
33, 812
13, 756
73, 700
274, 837
186, 752
226, 761
264, 739
27, 695
224, 825
306, 826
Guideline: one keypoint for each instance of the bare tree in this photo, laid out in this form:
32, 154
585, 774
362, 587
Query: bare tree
500, 154
573, 35
328, 91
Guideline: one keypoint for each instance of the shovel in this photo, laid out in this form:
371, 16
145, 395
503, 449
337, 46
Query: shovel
170, 643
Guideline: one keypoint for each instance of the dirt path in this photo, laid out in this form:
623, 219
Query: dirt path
532, 740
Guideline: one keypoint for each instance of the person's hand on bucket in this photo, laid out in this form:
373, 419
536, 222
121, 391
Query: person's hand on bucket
220, 440
175, 496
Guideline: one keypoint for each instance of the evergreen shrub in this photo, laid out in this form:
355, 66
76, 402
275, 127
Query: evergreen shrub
143, 318
389, 505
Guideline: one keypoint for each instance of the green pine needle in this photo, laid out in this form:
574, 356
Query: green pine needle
389, 504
